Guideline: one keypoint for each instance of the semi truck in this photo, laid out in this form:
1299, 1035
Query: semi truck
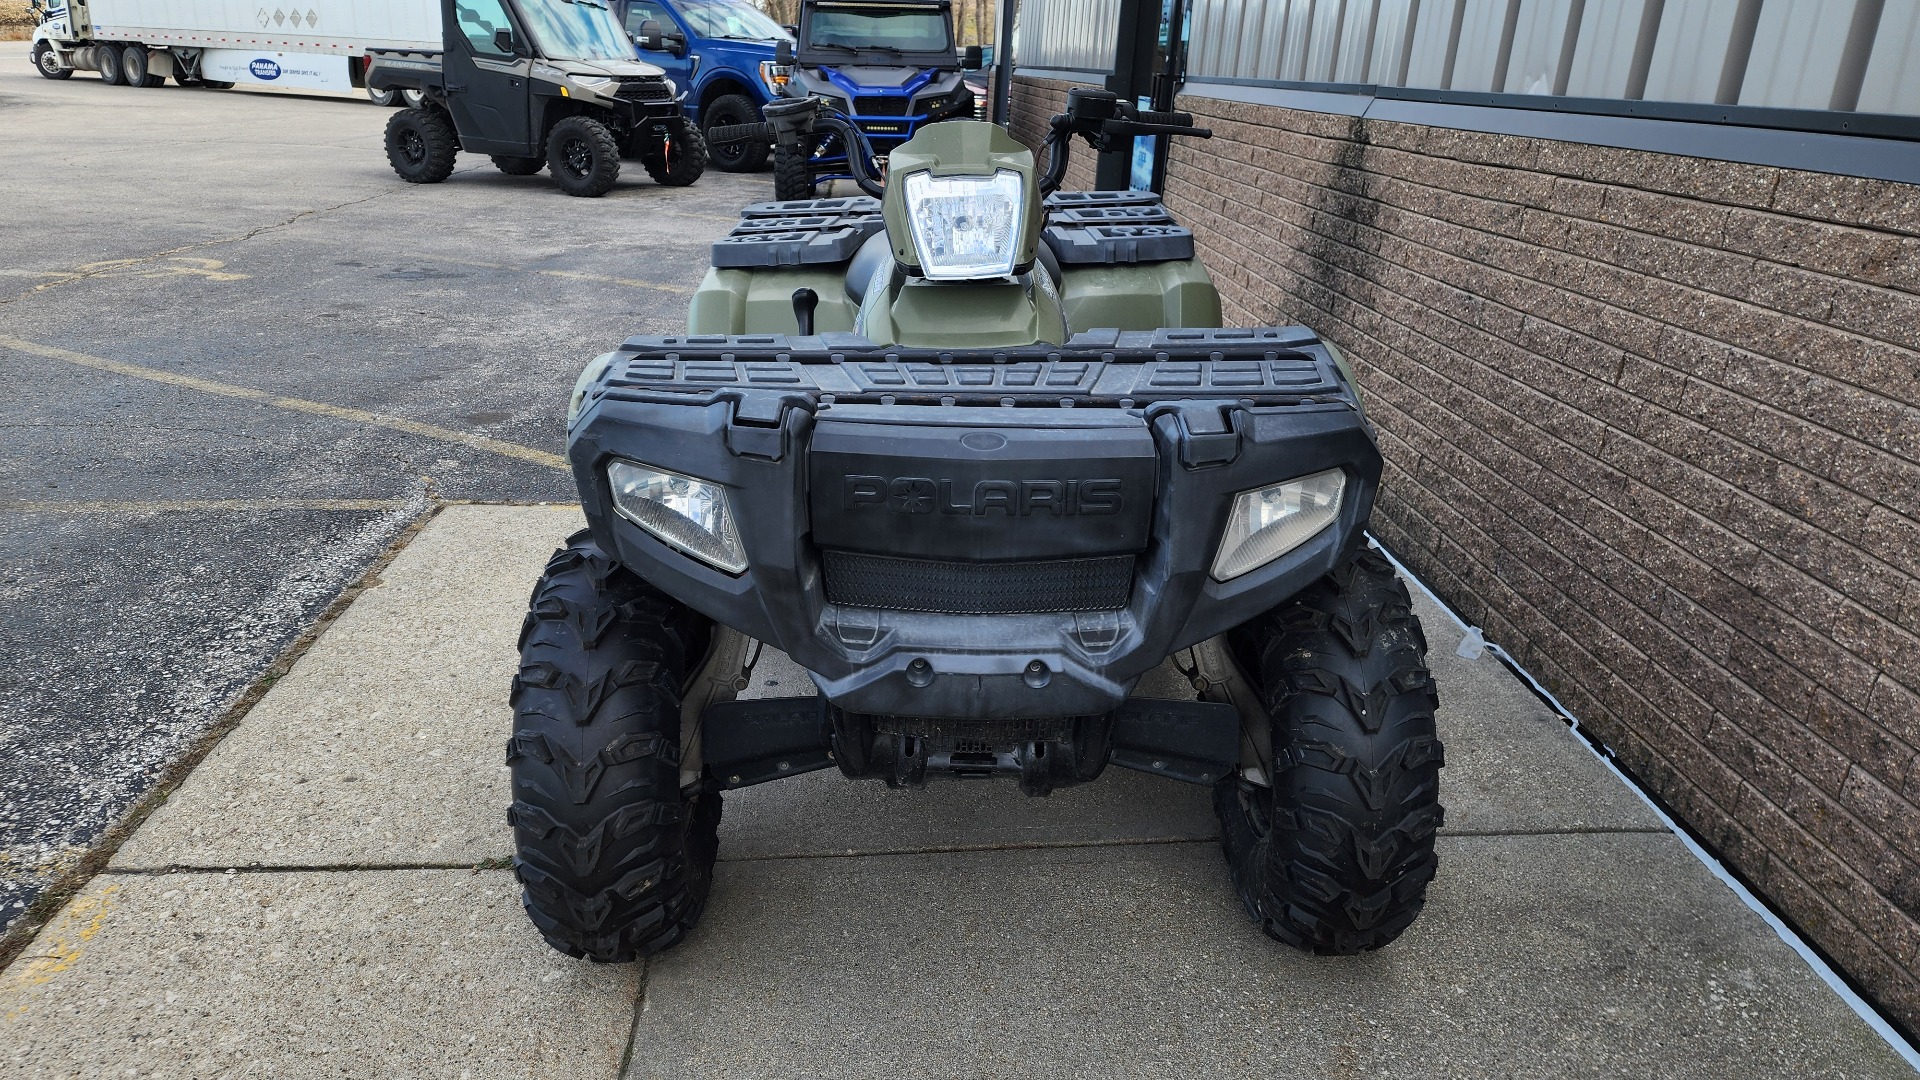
299, 44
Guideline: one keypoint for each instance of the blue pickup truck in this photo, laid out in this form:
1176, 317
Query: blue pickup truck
721, 53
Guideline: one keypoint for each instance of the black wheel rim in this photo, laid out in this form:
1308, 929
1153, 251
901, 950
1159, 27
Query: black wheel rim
731, 152
413, 147
578, 156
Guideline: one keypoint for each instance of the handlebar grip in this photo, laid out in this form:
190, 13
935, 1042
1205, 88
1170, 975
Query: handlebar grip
736, 133
1164, 119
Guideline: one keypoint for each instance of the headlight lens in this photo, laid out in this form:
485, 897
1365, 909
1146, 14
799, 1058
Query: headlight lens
774, 76
595, 84
965, 227
1268, 522
689, 514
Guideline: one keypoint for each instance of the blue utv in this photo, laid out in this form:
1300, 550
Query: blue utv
887, 66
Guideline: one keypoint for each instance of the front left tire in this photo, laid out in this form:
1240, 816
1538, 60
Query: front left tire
680, 159
615, 858
47, 62
583, 157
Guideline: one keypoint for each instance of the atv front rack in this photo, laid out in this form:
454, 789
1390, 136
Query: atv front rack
1267, 366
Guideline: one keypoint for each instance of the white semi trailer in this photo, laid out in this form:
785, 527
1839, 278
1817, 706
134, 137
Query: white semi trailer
301, 44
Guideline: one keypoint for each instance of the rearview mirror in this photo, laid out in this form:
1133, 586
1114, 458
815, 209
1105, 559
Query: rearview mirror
783, 53
503, 41
649, 37
972, 59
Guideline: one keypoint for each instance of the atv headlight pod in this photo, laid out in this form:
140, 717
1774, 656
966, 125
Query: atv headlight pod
688, 514
966, 227
1268, 522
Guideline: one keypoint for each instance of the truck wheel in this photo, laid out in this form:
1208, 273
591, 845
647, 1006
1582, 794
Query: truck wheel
615, 859
518, 166
47, 62
107, 58
1333, 851
583, 156
421, 145
792, 174
736, 156
133, 68
680, 158
215, 84
385, 99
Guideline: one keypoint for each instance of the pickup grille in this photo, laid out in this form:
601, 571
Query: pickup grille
643, 88
1103, 583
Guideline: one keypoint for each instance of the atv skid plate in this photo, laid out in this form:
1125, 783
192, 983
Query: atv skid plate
1009, 537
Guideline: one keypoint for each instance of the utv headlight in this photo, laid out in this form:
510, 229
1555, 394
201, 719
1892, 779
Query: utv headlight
689, 514
966, 227
1268, 522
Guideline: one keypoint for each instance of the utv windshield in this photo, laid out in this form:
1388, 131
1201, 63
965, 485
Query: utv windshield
730, 19
905, 28
576, 30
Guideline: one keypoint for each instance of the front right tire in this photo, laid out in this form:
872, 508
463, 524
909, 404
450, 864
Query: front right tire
614, 857
727, 111
1331, 843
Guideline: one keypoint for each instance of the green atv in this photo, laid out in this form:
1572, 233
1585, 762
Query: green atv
975, 454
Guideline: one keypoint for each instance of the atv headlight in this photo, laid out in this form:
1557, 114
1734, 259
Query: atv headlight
689, 514
966, 227
1268, 522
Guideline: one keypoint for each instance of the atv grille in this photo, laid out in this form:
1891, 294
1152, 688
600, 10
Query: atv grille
977, 735
643, 88
1102, 583
881, 106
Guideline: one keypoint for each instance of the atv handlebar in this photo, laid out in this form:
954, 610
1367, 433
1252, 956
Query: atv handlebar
1097, 116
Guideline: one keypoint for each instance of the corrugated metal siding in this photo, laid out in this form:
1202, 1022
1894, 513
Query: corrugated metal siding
1073, 35
1797, 58
1893, 74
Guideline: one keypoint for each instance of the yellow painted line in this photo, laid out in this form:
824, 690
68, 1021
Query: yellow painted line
316, 408
65, 940
159, 506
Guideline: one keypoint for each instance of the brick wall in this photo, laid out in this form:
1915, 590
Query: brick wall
1654, 423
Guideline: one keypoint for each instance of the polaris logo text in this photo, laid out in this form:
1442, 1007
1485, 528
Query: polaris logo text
264, 69
1014, 498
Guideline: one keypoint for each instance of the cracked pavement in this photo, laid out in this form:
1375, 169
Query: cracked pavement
342, 349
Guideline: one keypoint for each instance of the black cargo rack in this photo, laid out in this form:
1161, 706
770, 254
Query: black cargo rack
1105, 368
802, 232
1113, 228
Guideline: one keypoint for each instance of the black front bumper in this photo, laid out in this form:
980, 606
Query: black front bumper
1178, 421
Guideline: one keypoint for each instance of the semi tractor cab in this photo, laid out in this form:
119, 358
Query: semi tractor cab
318, 45
721, 53
537, 84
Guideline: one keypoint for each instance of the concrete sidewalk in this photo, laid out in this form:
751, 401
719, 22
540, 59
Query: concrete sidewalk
324, 897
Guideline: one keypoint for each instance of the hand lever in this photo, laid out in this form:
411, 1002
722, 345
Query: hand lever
804, 301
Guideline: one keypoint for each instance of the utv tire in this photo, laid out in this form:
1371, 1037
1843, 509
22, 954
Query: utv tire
792, 174
583, 157
134, 68
737, 156
615, 859
108, 59
682, 160
519, 166
47, 62
421, 145
1335, 856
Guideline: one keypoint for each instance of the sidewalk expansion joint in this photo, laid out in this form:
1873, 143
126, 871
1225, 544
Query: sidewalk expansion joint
308, 868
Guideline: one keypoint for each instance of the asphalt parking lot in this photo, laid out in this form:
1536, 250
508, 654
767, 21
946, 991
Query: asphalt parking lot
162, 539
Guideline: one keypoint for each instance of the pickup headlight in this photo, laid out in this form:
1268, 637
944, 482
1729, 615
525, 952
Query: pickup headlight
775, 76
688, 514
966, 227
1268, 522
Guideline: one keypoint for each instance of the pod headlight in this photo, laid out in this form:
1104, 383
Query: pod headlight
1268, 522
686, 513
965, 227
